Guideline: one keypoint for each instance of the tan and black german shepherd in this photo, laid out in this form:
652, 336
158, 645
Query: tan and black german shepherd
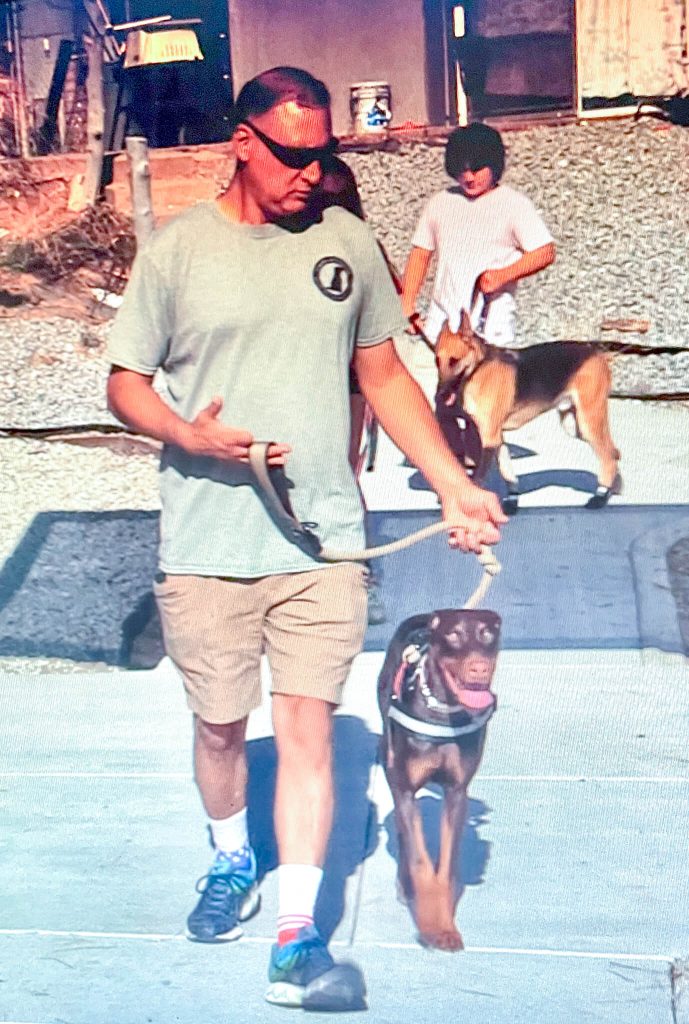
502, 389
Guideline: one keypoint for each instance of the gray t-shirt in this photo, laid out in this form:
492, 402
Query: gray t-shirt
267, 319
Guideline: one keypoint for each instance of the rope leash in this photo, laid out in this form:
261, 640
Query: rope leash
300, 533
486, 558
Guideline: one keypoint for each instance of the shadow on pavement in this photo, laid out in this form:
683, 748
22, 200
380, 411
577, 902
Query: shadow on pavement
78, 585
575, 479
353, 836
474, 852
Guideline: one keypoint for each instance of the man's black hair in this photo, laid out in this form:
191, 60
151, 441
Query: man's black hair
267, 90
474, 147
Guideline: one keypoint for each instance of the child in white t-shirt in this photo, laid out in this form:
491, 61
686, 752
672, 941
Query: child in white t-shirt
486, 235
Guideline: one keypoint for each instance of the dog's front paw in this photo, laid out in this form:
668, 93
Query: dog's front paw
448, 940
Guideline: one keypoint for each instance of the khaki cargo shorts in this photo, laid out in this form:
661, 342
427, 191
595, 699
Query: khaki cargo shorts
310, 625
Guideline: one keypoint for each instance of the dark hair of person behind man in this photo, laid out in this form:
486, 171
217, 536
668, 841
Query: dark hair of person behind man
278, 85
477, 145
338, 187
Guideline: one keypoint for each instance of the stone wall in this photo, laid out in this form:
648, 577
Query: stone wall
614, 195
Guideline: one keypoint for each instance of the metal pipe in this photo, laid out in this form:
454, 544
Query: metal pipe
104, 13
160, 19
446, 63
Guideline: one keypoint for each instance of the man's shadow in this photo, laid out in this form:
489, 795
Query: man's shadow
353, 836
474, 852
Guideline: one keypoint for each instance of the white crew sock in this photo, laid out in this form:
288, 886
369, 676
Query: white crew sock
298, 886
230, 834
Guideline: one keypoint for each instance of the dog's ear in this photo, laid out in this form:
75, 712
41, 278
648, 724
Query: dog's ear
465, 328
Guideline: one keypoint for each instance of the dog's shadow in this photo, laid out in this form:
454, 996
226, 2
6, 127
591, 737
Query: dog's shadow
494, 481
573, 479
353, 836
474, 851
516, 451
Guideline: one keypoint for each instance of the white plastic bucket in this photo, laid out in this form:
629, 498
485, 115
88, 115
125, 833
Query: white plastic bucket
370, 107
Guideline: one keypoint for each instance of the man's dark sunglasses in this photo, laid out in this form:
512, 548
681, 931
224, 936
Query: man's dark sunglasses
297, 157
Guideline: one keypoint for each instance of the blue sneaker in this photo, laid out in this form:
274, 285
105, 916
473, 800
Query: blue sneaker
230, 895
302, 973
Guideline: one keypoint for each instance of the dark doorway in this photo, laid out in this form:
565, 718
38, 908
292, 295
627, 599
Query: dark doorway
512, 59
184, 102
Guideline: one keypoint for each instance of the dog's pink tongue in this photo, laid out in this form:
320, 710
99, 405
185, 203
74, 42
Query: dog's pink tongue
477, 700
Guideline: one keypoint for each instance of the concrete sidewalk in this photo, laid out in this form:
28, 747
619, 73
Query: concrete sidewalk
574, 853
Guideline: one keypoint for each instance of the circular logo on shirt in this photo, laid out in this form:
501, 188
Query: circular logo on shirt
333, 278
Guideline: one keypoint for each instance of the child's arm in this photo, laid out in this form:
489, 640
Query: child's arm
529, 263
413, 278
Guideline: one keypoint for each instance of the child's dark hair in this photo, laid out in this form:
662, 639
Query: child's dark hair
474, 147
267, 90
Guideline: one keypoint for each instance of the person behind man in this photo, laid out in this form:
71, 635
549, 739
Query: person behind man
253, 317
338, 187
487, 236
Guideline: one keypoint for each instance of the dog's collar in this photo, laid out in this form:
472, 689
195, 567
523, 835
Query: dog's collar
413, 671
435, 731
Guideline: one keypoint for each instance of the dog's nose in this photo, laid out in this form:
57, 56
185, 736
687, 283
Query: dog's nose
478, 670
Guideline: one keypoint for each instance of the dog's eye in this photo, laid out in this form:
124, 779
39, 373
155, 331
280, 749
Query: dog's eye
457, 637
485, 635
452, 362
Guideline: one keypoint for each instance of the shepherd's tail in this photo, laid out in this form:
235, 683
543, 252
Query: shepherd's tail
632, 349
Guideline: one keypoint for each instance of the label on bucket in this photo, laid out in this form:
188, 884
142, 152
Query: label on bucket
370, 106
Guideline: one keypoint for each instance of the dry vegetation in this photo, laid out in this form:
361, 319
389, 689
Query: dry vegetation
52, 258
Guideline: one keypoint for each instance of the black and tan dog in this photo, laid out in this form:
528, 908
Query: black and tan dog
435, 701
491, 390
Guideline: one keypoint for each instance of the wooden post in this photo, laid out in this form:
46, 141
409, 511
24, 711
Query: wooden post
140, 172
95, 120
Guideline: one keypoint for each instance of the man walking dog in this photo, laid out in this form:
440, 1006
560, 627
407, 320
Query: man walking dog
254, 318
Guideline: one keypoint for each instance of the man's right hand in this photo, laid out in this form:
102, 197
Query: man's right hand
475, 513
207, 436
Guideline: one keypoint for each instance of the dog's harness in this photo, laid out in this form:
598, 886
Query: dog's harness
410, 680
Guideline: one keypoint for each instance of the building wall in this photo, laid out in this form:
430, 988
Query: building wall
341, 43
42, 26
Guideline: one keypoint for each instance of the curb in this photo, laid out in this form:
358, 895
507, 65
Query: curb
656, 608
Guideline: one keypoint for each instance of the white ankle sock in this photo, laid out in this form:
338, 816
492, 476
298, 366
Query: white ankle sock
230, 834
298, 886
